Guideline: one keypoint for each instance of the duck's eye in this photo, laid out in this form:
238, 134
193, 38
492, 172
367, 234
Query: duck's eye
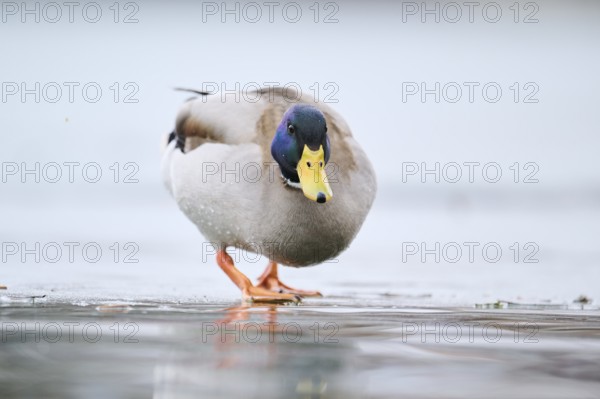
291, 129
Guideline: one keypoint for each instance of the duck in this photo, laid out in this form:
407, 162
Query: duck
273, 173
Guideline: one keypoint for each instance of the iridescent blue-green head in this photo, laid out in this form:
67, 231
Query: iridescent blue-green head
301, 148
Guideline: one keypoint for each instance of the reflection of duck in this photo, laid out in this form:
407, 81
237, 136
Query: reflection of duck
233, 328
233, 363
243, 312
222, 166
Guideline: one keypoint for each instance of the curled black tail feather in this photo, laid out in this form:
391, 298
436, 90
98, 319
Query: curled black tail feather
172, 136
180, 143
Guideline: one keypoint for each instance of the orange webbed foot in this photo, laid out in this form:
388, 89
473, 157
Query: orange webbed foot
251, 293
260, 294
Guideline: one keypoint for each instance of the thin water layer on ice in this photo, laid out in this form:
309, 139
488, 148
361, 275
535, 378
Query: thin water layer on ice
323, 348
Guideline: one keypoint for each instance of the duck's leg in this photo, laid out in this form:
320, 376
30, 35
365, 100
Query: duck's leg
270, 281
251, 293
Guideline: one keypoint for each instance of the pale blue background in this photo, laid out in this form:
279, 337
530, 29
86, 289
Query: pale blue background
368, 54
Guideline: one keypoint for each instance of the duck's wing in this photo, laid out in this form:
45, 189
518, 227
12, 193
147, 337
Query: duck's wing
215, 119
245, 117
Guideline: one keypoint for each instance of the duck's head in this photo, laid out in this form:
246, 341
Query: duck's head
301, 148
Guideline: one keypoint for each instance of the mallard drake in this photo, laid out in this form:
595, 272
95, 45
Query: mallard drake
280, 176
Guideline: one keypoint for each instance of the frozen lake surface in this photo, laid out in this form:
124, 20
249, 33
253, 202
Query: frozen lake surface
322, 349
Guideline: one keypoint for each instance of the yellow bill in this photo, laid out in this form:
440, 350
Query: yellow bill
311, 171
